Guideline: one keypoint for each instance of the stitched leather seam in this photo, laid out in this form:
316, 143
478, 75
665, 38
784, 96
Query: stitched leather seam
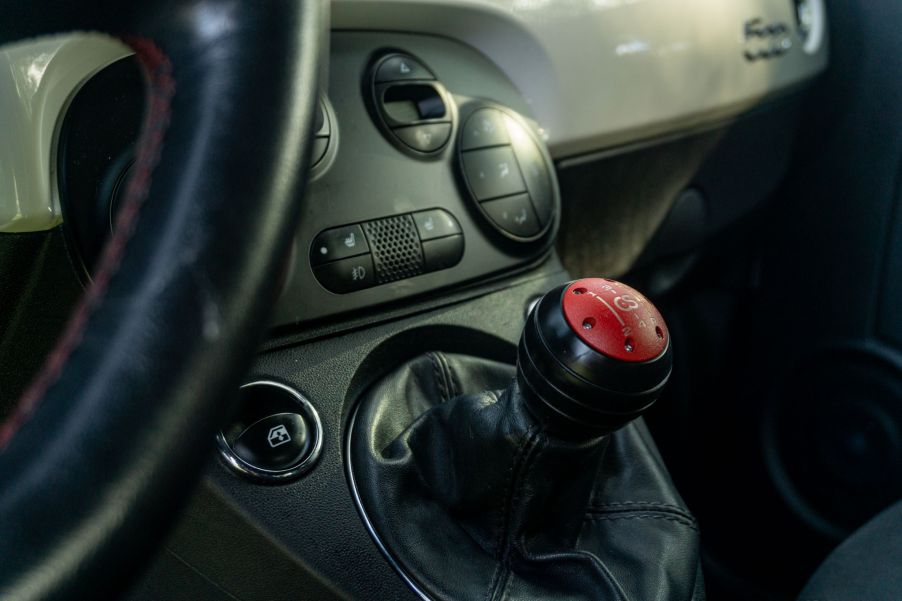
506, 586
605, 572
632, 507
439, 376
538, 443
633, 503
503, 514
529, 464
449, 377
456, 388
643, 516
161, 89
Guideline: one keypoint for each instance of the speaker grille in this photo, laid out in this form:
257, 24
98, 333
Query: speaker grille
395, 244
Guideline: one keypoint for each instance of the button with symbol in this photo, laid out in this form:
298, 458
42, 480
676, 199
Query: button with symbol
338, 243
493, 172
399, 67
436, 223
484, 128
275, 435
347, 275
274, 443
425, 138
514, 214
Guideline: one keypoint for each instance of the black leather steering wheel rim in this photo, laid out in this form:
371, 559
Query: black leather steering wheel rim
117, 427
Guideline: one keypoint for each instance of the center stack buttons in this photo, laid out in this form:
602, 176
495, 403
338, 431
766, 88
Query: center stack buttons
508, 174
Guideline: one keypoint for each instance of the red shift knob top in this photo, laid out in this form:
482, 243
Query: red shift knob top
615, 320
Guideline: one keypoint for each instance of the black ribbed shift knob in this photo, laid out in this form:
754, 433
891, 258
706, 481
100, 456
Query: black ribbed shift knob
594, 355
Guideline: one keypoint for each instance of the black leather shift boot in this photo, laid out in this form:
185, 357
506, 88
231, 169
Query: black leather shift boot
475, 500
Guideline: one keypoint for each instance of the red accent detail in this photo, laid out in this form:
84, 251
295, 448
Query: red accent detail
615, 320
161, 85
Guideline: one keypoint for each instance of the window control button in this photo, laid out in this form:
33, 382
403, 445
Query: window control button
338, 243
347, 275
514, 215
436, 223
274, 443
493, 172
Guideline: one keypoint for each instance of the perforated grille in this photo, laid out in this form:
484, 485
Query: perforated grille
396, 248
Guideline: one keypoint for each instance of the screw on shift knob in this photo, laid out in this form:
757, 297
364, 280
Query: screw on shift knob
594, 355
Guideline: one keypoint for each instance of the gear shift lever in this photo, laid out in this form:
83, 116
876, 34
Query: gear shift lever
481, 482
594, 355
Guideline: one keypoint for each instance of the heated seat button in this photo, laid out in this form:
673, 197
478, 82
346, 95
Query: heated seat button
346, 275
484, 128
338, 243
443, 253
399, 67
493, 172
514, 215
274, 443
425, 138
436, 223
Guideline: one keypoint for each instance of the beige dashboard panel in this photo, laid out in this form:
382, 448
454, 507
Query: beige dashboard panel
603, 73
37, 78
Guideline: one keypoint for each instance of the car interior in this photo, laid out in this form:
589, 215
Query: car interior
451, 300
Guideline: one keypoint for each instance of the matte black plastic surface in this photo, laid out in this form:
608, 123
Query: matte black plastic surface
313, 522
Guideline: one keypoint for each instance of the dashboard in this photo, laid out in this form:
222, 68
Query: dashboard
396, 147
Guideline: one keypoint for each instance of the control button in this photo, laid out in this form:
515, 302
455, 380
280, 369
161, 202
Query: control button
338, 243
514, 215
274, 443
318, 150
436, 223
443, 253
484, 128
535, 172
493, 172
398, 67
425, 138
346, 275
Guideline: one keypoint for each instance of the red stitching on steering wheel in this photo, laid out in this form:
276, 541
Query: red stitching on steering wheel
158, 70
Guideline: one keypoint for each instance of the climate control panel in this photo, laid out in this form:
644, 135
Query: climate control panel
507, 173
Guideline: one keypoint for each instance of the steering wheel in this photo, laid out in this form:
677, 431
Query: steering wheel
112, 434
